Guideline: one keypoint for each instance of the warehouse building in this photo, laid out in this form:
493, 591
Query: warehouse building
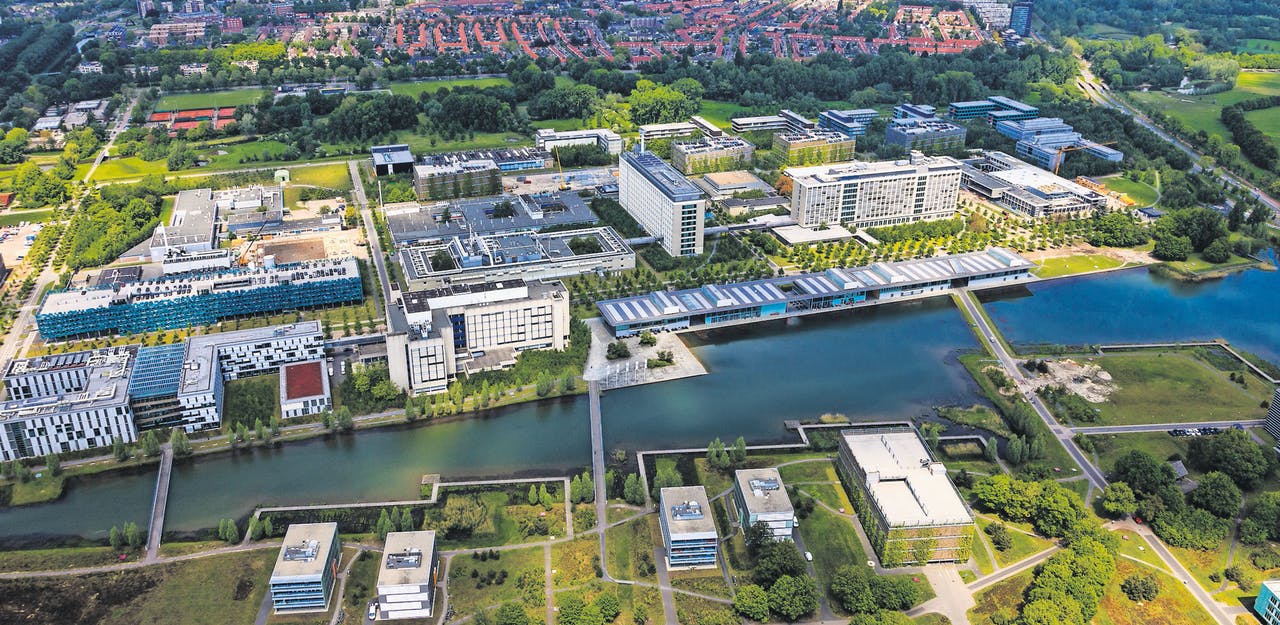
914, 514
519, 255
663, 201
302, 580
759, 497
882, 193
688, 531
407, 577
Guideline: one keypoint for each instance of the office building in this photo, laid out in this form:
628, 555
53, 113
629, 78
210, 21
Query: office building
974, 109
853, 122
663, 201
1267, 605
66, 402
603, 138
1272, 425
448, 176
1044, 141
908, 110
688, 531
302, 580
1008, 109
304, 389
153, 387
667, 131
197, 299
759, 497
930, 135
407, 577
762, 123
913, 513
882, 193
1026, 189
729, 304
467, 328
519, 255
189, 241
420, 222
192, 228
1020, 17
512, 159
814, 147
391, 159
711, 154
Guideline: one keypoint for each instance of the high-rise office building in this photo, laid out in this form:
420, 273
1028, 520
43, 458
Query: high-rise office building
1020, 18
663, 201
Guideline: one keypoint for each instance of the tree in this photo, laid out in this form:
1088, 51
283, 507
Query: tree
1118, 499
119, 449
632, 491
894, 593
180, 443
532, 497
1141, 587
133, 535
383, 525
53, 465
259, 430
851, 587
752, 602
756, 536
616, 350
511, 614
739, 451
1218, 252
115, 538
792, 597
254, 531
608, 605
666, 477
718, 456
1217, 494
776, 560
343, 419
150, 445
267, 528
1172, 248
1233, 453
648, 339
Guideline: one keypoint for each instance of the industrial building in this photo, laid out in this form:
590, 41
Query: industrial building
407, 577
688, 531
520, 255
930, 135
197, 299
304, 389
759, 497
1027, 189
67, 402
852, 122
449, 176
711, 154
416, 222
882, 193
813, 147
663, 201
603, 138
474, 327
189, 241
914, 513
727, 304
391, 159
302, 580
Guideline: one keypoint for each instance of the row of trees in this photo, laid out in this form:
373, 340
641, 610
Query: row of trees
1254, 144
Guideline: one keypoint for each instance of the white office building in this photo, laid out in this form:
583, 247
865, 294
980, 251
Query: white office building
407, 578
760, 497
883, 193
603, 138
663, 201
302, 580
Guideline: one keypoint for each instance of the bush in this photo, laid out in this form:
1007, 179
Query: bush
1000, 538
616, 350
1218, 252
1140, 587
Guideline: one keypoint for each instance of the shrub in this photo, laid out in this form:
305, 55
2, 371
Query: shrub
1140, 587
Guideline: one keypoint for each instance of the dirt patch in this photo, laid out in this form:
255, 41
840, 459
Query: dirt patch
244, 588
1086, 379
1119, 253
294, 251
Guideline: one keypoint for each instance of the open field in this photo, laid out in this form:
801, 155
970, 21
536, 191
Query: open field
631, 547
1135, 546
1202, 112
468, 595
1110, 447
217, 590
1070, 265
332, 176
1173, 387
1173, 606
1197, 264
15, 217
229, 97
39, 490
1140, 192
1022, 545
1258, 46
722, 113
61, 558
833, 542
414, 88
1000, 602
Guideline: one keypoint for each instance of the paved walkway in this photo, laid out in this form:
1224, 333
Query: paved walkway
953, 600
159, 502
664, 587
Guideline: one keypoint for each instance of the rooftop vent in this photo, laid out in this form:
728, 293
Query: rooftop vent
303, 552
687, 511
410, 558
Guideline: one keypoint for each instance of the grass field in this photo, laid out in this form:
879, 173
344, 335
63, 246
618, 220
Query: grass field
628, 544
15, 217
1001, 602
1071, 265
833, 542
1110, 447
251, 399
1106, 32
1202, 112
982, 551
1172, 387
721, 113
1022, 546
467, 594
1140, 192
818, 471
52, 559
414, 88
1135, 546
332, 176
39, 490
1258, 46
1173, 606
230, 97
574, 561
1197, 264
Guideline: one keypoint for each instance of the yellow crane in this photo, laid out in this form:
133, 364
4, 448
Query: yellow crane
564, 186
1062, 152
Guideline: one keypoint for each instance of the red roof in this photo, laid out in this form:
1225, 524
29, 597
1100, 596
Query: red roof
223, 121
161, 117
6, 199
304, 379
187, 125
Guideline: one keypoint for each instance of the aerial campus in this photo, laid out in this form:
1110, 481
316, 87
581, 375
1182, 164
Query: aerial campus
585, 312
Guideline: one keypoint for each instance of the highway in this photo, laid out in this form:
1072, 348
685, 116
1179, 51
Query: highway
1165, 427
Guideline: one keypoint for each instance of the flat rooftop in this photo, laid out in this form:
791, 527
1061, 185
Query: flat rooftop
192, 223
411, 222
303, 379
687, 510
662, 176
763, 491
908, 487
406, 559
200, 357
477, 254
305, 551
106, 381
859, 169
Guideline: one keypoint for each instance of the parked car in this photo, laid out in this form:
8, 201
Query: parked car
373, 611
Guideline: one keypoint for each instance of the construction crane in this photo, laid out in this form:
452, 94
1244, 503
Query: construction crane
564, 186
1062, 153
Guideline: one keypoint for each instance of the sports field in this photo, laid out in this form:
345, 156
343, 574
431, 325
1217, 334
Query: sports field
229, 97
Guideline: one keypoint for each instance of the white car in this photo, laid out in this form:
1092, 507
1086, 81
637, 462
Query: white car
808, 556
373, 611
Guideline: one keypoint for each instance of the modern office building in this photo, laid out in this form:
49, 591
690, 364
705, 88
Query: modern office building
1020, 17
663, 201
852, 122
192, 230
814, 147
391, 159
1267, 605
974, 109
688, 531
520, 255
67, 402
197, 299
667, 131
153, 387
761, 123
302, 580
711, 154
420, 222
304, 389
603, 138
908, 110
407, 577
1043, 140
474, 327
911, 511
759, 497
1272, 425
509, 159
930, 135
882, 193
730, 304
1008, 109
1027, 189
450, 176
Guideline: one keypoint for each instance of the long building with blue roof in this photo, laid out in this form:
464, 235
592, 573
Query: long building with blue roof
724, 304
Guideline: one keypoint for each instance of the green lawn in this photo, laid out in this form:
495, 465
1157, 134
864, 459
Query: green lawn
229, 97
39, 490
1001, 602
503, 526
817, 471
558, 124
1258, 46
123, 169
1135, 546
628, 545
722, 113
1110, 447
15, 217
976, 416
63, 558
1022, 545
467, 594
1202, 112
833, 542
981, 555
574, 562
249, 399
1173, 606
332, 176
1140, 192
1171, 387
1070, 265
483, 140
414, 88
1197, 264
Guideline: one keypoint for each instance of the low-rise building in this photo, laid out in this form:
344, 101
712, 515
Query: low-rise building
1027, 189
759, 497
304, 389
909, 508
407, 577
711, 154
603, 138
814, 147
521, 255
302, 580
930, 135
444, 176
1267, 605
391, 159
1272, 424
688, 531
853, 123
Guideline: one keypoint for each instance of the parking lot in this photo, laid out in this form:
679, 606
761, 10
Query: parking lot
13, 242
